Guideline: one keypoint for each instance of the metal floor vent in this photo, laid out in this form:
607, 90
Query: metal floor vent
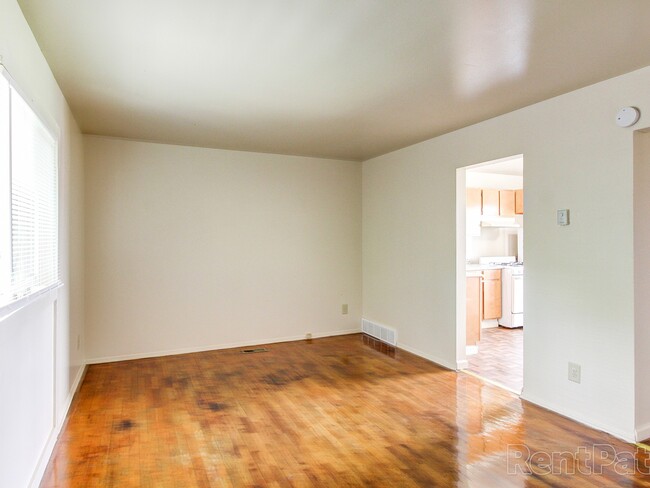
381, 332
252, 351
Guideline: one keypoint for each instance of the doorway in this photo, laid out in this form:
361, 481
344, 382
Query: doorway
490, 271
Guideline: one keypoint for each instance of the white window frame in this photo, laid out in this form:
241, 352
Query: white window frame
11, 307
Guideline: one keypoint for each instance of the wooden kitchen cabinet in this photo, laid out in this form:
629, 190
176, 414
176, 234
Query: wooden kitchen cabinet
504, 203
490, 204
473, 214
519, 202
474, 200
491, 294
507, 203
473, 306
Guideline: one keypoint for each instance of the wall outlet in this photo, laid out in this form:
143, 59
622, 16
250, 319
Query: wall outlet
574, 372
344, 309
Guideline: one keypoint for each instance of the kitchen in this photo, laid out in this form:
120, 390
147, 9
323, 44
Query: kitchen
495, 272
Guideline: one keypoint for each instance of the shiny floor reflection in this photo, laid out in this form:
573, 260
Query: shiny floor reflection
500, 357
333, 412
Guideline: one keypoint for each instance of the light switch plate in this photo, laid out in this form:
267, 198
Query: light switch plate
563, 216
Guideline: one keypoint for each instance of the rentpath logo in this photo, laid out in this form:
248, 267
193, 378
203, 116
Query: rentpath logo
597, 459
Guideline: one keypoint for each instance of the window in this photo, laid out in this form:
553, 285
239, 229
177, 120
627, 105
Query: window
29, 261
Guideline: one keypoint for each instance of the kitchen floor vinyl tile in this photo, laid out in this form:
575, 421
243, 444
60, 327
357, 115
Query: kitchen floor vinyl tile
500, 357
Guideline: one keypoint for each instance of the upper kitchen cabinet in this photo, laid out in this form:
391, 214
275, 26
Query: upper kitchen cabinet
474, 200
490, 202
473, 204
519, 202
507, 203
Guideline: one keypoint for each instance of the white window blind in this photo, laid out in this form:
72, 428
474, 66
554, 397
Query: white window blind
29, 251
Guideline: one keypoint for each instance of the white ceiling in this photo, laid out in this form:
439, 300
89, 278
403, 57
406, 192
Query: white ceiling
347, 79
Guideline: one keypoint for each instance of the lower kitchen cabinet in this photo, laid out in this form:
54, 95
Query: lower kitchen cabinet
473, 314
491, 290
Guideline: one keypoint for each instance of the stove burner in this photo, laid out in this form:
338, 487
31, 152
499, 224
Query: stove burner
511, 263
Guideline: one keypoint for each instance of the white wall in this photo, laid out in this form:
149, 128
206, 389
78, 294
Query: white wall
493, 241
642, 281
476, 179
579, 279
40, 363
191, 248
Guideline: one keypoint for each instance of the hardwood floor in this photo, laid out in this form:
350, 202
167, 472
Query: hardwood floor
340, 411
500, 357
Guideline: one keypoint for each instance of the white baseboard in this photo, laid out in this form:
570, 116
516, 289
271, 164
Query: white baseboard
439, 361
489, 324
576, 416
462, 364
189, 350
642, 433
43, 461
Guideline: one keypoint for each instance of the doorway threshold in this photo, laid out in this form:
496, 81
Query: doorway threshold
492, 382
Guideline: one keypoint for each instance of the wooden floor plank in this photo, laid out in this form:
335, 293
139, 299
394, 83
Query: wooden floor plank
340, 411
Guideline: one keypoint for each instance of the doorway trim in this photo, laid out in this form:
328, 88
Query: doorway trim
462, 362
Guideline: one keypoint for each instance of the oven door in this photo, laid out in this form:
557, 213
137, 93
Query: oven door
517, 294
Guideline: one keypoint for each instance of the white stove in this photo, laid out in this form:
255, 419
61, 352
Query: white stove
512, 296
499, 261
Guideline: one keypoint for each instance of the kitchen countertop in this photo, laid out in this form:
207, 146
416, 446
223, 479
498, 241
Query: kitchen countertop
473, 270
481, 267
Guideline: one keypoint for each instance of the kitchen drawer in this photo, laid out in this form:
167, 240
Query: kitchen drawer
492, 274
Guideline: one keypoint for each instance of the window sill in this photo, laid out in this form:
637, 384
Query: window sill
10, 309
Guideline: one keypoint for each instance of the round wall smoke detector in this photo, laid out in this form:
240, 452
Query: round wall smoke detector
627, 116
